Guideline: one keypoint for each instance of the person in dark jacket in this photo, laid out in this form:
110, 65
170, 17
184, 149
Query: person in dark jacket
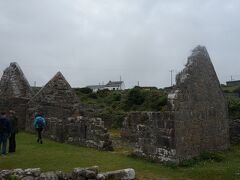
5, 130
14, 130
39, 123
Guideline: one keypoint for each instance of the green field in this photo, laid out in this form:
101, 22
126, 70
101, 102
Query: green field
56, 156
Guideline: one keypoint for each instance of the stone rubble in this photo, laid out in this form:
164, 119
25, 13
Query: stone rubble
91, 173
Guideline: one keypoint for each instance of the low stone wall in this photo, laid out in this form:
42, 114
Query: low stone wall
235, 131
129, 131
19, 105
84, 131
153, 133
77, 174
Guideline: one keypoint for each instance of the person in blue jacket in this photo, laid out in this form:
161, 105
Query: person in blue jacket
5, 130
39, 124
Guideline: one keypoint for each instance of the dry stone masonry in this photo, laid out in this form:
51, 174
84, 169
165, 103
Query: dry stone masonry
60, 105
55, 99
235, 131
84, 131
77, 174
196, 120
13, 83
15, 92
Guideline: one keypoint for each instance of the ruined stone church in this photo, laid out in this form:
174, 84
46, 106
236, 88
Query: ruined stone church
60, 105
196, 120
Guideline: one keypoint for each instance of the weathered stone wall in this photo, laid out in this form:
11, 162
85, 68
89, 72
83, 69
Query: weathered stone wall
88, 132
130, 125
15, 92
201, 122
13, 83
77, 174
153, 133
197, 113
17, 104
235, 131
56, 100
61, 108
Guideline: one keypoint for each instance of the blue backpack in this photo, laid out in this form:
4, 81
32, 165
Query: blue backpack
40, 122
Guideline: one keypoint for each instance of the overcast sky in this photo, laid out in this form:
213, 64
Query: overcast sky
92, 41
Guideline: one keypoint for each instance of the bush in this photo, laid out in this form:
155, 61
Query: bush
237, 90
135, 97
116, 97
234, 108
114, 116
85, 90
103, 93
226, 91
92, 96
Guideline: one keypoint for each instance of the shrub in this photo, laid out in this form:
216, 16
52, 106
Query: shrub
92, 96
116, 97
237, 90
135, 97
234, 108
85, 90
103, 93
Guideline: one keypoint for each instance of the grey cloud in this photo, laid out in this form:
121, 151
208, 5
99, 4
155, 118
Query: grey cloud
92, 41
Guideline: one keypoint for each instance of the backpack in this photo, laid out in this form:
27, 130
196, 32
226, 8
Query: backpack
40, 122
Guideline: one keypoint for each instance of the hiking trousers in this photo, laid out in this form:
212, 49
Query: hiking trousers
12, 143
39, 131
3, 143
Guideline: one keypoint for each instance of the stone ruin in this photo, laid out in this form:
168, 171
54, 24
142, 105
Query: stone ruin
77, 174
14, 83
60, 105
55, 99
196, 120
234, 130
15, 92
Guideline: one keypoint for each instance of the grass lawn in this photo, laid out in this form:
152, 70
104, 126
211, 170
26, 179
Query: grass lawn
56, 156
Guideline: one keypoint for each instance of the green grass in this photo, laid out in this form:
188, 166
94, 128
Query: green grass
229, 89
56, 156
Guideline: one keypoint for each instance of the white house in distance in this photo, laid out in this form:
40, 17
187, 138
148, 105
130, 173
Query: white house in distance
115, 85
111, 85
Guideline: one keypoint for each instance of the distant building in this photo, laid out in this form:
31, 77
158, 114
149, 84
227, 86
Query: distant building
111, 85
115, 85
233, 83
96, 88
147, 88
